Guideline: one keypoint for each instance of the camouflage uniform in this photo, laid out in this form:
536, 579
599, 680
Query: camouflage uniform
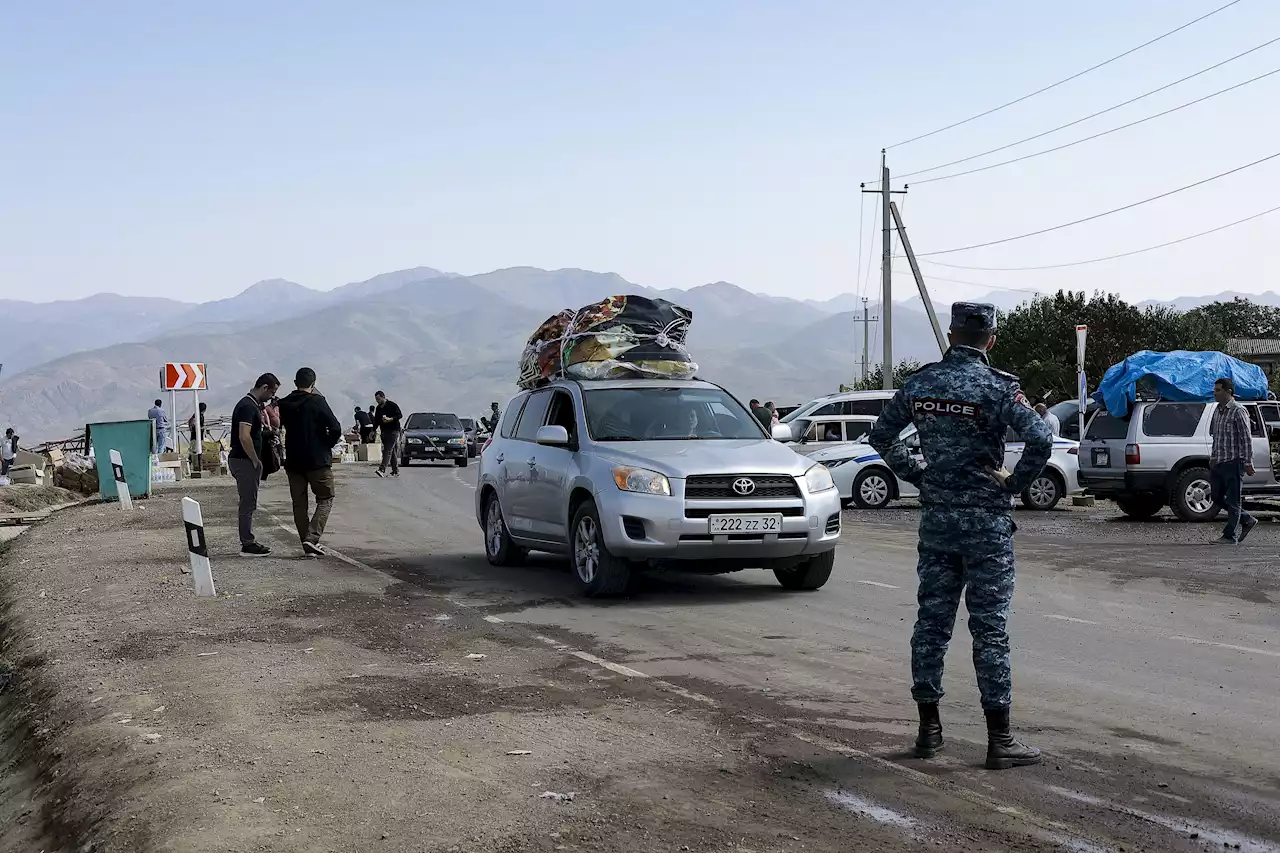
962, 407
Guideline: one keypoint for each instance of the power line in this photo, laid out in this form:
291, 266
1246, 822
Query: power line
1065, 79
1109, 257
875, 219
1096, 135
973, 283
857, 268
1105, 212
1091, 115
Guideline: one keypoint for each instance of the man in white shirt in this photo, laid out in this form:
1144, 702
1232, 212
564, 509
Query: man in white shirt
8, 449
1050, 419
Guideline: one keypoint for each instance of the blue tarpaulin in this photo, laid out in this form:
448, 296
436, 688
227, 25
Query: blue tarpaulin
1180, 376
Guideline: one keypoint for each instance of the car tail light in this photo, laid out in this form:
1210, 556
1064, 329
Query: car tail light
487, 442
1132, 454
1073, 451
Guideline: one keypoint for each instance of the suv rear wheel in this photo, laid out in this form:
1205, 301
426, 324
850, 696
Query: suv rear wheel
1044, 492
1141, 506
811, 574
597, 571
1192, 498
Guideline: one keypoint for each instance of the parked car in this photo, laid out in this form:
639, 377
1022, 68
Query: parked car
1159, 456
433, 436
625, 475
1067, 412
849, 414
472, 432
865, 481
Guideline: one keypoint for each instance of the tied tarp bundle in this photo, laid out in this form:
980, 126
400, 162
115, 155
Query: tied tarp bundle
1180, 376
618, 337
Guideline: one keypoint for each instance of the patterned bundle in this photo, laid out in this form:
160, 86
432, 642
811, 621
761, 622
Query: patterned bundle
619, 337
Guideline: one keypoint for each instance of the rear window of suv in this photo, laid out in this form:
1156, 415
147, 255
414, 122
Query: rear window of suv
1104, 426
1177, 420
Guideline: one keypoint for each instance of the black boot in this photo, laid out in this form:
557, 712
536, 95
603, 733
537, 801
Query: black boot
929, 741
1003, 751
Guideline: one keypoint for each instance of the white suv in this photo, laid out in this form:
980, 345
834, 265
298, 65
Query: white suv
626, 474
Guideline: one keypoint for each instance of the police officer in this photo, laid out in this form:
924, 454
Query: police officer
961, 407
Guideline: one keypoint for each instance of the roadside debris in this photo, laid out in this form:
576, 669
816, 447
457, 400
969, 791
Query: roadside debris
476, 656
559, 798
520, 752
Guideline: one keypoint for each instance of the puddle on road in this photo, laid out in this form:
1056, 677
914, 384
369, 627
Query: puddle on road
1208, 833
868, 809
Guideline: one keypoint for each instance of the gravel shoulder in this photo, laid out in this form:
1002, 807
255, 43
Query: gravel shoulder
317, 706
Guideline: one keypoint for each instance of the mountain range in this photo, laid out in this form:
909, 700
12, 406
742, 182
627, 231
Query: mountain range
431, 339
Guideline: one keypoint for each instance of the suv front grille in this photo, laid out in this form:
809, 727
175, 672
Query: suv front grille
720, 486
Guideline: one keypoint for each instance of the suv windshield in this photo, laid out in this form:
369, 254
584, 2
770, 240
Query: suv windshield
432, 420
667, 414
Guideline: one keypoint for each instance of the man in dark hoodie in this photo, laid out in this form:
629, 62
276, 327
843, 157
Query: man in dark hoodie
387, 417
310, 432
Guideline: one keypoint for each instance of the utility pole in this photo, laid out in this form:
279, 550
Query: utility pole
866, 339
886, 267
919, 277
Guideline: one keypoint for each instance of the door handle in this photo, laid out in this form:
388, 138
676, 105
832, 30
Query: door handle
500, 458
533, 463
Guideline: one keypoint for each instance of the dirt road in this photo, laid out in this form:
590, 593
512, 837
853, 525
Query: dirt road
331, 705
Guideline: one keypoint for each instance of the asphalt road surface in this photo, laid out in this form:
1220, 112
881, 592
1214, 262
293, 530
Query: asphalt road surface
1146, 666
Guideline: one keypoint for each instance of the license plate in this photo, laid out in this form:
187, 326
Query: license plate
1101, 458
746, 523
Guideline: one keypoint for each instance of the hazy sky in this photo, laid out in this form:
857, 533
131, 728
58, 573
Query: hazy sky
189, 149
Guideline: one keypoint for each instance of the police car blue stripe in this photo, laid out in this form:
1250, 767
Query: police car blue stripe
867, 458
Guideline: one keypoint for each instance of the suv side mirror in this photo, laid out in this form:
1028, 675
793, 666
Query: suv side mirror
782, 432
553, 436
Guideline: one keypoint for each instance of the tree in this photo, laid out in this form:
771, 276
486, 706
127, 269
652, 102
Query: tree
1241, 318
1037, 340
875, 380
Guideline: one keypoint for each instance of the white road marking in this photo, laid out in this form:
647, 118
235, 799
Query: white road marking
866, 808
458, 477
1247, 649
1070, 619
881, 585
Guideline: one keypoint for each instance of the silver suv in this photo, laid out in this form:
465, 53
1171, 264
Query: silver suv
1159, 456
622, 475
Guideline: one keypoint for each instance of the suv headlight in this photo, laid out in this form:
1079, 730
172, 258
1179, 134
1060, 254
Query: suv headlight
641, 480
818, 479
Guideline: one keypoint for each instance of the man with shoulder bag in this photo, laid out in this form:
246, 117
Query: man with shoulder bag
245, 458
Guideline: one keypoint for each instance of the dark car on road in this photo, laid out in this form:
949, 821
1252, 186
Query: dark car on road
434, 437
472, 430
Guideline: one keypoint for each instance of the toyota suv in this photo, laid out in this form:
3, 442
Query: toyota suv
623, 475
1159, 456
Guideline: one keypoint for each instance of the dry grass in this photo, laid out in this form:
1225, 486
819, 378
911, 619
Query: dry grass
27, 498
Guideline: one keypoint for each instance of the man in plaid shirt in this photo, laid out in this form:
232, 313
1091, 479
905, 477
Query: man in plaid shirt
1230, 460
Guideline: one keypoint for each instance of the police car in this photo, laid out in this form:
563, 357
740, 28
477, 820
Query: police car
865, 481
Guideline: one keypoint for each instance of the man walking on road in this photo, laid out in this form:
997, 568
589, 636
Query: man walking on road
387, 417
310, 431
962, 407
1229, 461
157, 414
8, 450
245, 458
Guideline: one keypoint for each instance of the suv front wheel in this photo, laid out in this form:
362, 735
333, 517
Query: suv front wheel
811, 574
1192, 498
597, 571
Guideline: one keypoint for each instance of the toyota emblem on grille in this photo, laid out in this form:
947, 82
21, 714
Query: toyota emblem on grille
744, 486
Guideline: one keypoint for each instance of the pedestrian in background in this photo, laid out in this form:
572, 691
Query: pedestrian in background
245, 458
962, 408
490, 423
157, 414
387, 416
1049, 418
760, 412
310, 431
8, 450
364, 425
204, 425
1229, 461
773, 415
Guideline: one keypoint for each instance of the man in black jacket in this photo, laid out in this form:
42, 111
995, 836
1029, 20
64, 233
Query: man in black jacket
310, 432
387, 417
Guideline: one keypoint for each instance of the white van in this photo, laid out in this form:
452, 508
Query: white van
836, 418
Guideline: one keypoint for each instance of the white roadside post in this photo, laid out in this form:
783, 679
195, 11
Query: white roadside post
122, 485
197, 548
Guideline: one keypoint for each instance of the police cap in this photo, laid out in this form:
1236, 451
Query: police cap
973, 316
